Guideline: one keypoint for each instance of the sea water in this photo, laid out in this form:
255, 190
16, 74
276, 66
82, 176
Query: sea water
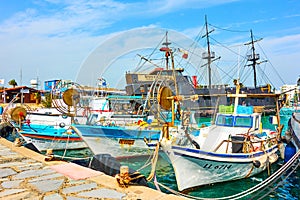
284, 188
288, 189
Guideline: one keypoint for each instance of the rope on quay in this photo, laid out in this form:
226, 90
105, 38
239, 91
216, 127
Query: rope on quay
271, 179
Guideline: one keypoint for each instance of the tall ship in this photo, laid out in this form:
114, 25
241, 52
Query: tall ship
204, 96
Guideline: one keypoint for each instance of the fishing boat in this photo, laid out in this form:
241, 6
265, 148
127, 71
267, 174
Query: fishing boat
45, 137
290, 112
50, 128
54, 135
292, 137
123, 132
148, 86
50, 116
295, 130
235, 146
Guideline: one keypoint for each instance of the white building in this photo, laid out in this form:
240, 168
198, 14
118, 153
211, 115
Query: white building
291, 92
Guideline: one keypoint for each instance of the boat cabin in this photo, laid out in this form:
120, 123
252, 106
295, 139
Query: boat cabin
244, 121
115, 108
243, 117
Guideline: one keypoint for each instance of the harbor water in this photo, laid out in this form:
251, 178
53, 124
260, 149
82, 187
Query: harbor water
283, 189
287, 189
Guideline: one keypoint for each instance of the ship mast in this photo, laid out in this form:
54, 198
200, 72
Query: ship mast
208, 55
167, 43
253, 57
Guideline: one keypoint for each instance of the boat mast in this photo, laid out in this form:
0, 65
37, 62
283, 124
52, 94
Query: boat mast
253, 57
208, 55
169, 53
167, 43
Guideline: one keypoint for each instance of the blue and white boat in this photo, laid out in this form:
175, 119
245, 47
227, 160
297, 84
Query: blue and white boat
292, 136
121, 130
118, 141
45, 137
235, 146
295, 130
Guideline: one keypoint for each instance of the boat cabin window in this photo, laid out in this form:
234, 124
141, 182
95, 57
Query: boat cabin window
243, 121
92, 119
234, 121
257, 123
126, 106
170, 73
225, 120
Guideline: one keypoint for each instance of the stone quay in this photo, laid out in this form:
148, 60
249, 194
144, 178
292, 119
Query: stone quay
25, 174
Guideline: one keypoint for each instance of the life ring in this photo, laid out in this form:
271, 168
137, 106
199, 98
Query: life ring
62, 124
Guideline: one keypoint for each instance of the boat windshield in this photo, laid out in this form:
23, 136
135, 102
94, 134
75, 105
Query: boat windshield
234, 121
225, 120
92, 119
243, 121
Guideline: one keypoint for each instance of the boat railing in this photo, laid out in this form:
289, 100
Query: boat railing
136, 123
247, 145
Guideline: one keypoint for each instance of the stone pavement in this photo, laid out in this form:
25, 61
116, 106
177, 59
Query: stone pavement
24, 174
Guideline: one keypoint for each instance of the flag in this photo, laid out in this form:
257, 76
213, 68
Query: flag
1, 81
184, 53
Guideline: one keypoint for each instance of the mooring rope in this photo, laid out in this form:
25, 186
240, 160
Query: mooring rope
67, 143
146, 164
280, 183
154, 162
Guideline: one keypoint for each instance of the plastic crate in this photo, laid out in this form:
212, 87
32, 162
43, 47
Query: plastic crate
244, 109
258, 109
226, 109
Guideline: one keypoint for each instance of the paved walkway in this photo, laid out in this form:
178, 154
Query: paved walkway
24, 174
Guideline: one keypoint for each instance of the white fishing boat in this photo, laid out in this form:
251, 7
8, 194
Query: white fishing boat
235, 146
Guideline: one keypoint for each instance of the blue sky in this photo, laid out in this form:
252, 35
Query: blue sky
52, 39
